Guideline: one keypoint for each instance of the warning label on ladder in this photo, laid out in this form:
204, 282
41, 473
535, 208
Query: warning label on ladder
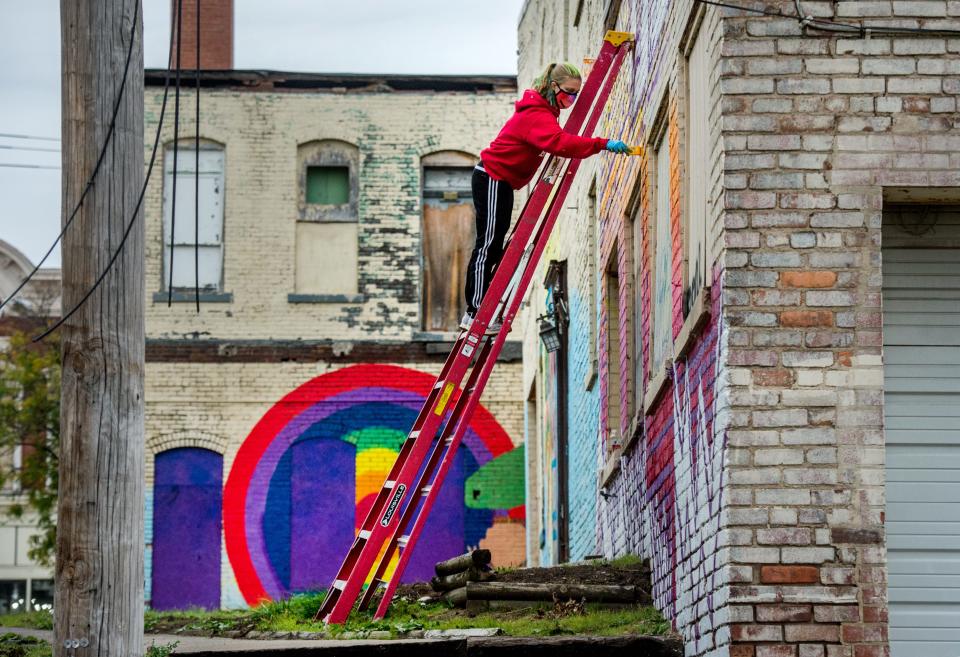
394, 503
444, 398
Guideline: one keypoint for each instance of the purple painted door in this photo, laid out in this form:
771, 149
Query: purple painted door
322, 498
187, 501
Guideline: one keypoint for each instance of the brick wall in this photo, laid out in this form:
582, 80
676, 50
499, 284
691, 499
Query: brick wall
781, 551
216, 34
261, 131
216, 378
818, 128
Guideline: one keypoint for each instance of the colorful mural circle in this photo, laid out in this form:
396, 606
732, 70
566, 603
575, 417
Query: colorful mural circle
309, 470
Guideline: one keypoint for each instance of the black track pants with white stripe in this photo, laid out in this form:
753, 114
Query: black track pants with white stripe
493, 201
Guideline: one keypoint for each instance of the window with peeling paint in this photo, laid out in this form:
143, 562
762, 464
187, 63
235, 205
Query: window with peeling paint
698, 162
180, 228
447, 237
662, 338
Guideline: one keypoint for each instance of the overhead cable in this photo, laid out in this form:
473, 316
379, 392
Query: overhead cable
133, 217
96, 168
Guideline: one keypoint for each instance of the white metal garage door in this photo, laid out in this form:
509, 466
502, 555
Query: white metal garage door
921, 323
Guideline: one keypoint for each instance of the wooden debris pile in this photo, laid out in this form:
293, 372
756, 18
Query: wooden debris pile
469, 581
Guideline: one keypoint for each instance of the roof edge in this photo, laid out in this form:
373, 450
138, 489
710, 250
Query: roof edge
268, 80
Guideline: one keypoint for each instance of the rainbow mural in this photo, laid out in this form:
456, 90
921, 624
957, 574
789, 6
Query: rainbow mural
307, 473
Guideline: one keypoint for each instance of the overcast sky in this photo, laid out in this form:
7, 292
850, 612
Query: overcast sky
357, 36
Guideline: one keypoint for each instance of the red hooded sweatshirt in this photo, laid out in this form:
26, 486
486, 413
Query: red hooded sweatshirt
533, 130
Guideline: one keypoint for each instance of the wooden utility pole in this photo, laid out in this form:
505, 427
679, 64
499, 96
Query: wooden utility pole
98, 604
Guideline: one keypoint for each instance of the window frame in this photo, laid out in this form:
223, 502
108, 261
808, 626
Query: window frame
185, 155
696, 304
328, 153
659, 139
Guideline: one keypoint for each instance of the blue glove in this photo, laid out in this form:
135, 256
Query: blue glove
617, 146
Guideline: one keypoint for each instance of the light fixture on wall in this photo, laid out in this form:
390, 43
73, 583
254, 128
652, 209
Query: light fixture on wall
549, 333
554, 322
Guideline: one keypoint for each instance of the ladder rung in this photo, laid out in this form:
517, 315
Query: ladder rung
426, 489
390, 483
438, 385
448, 441
402, 541
364, 534
339, 584
413, 435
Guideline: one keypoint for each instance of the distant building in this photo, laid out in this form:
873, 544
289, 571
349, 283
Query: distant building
24, 585
335, 223
759, 385
40, 298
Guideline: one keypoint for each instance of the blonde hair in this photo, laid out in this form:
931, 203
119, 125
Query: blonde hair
555, 72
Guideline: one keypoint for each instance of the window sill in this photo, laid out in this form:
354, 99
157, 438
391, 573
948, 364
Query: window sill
634, 431
699, 314
435, 336
610, 468
181, 296
325, 298
656, 388
591, 376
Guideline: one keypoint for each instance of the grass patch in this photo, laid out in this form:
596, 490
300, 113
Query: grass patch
14, 645
37, 620
296, 615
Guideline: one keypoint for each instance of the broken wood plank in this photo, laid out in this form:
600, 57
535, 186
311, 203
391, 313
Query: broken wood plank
474, 558
547, 592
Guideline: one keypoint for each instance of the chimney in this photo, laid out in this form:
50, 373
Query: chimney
216, 34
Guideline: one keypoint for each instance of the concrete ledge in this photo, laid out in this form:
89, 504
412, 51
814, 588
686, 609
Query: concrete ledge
559, 646
180, 296
326, 298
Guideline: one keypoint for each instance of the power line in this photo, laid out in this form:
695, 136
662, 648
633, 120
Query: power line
9, 135
176, 150
13, 165
96, 168
133, 218
28, 148
826, 25
196, 177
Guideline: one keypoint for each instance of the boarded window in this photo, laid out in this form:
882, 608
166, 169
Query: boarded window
448, 236
662, 339
698, 161
636, 296
593, 220
327, 227
328, 185
613, 352
326, 258
184, 236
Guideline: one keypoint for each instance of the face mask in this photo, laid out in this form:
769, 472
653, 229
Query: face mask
565, 100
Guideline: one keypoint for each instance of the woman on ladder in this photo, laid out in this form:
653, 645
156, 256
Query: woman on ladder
511, 161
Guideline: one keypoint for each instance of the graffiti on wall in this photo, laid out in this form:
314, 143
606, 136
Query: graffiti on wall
665, 503
308, 472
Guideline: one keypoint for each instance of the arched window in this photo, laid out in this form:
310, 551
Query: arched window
187, 511
327, 232
447, 236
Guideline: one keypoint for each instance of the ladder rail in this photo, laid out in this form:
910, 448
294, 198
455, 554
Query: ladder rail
566, 176
394, 499
333, 593
443, 450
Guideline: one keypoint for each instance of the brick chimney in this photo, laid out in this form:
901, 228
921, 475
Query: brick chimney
216, 34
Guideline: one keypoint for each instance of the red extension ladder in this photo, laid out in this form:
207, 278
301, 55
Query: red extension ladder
427, 453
